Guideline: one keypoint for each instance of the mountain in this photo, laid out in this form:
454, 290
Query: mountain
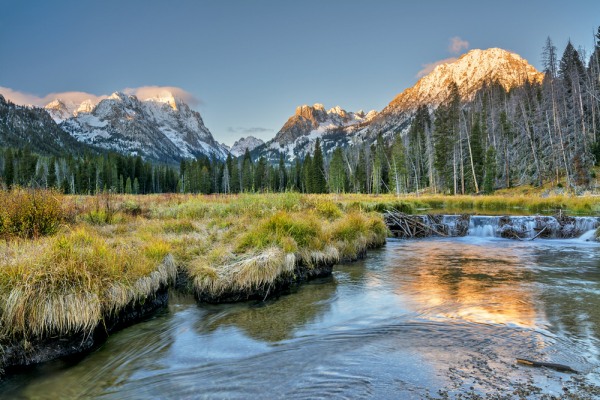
61, 110
298, 134
470, 72
161, 129
22, 126
336, 127
240, 146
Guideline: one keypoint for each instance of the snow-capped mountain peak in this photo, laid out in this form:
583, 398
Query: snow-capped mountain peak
249, 143
470, 72
162, 128
60, 110
166, 98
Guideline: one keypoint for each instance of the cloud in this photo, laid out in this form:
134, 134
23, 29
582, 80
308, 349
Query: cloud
34, 100
457, 45
146, 92
255, 129
142, 93
427, 68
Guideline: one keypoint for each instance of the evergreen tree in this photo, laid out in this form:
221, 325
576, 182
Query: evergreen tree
247, 172
337, 172
281, 174
205, 181
260, 175
307, 175
128, 188
477, 154
319, 184
52, 179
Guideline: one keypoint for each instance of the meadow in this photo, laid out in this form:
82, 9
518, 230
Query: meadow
69, 262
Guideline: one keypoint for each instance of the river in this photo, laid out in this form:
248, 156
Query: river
431, 318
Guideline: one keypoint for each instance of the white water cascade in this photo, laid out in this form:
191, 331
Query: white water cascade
492, 226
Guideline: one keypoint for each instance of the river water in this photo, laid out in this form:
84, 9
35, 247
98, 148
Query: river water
432, 318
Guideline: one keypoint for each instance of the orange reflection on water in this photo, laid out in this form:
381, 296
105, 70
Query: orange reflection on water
444, 280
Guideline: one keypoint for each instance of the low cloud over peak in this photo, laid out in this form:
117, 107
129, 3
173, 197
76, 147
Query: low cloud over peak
142, 93
146, 92
427, 68
457, 45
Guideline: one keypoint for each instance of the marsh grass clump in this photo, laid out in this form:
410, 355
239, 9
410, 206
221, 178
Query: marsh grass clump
178, 226
357, 232
290, 232
241, 275
329, 210
68, 283
31, 213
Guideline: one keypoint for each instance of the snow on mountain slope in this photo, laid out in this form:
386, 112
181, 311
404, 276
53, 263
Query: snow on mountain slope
470, 72
240, 146
315, 121
161, 128
299, 133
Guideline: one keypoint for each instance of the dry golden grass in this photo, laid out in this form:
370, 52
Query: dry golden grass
68, 283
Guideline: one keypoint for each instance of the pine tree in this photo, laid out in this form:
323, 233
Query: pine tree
337, 172
260, 175
319, 184
52, 179
477, 154
236, 180
281, 174
307, 173
225, 188
549, 59
247, 172
204, 184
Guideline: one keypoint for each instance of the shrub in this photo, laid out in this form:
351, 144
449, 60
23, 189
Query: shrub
30, 213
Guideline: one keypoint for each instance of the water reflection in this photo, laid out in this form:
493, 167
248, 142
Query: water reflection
466, 282
274, 320
569, 282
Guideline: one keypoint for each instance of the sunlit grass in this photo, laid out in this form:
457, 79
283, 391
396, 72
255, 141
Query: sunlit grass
113, 250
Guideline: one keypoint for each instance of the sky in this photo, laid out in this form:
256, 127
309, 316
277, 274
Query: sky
246, 65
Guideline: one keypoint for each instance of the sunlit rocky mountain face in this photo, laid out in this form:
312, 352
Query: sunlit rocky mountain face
337, 127
165, 129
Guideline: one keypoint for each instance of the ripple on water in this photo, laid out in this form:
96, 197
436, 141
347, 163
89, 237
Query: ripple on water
414, 318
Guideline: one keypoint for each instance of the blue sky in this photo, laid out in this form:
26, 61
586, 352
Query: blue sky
250, 63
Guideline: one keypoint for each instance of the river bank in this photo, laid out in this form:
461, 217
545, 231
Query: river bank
61, 292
